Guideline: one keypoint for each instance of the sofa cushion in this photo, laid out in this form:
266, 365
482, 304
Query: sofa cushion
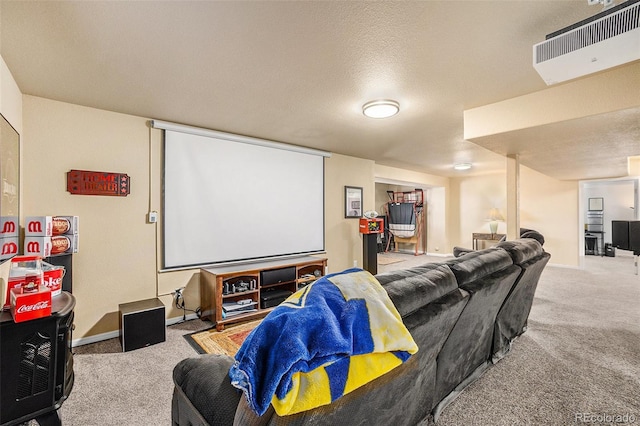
468, 346
530, 233
475, 265
512, 317
407, 391
522, 250
205, 382
414, 288
385, 278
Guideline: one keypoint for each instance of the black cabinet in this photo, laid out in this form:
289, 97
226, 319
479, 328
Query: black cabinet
36, 364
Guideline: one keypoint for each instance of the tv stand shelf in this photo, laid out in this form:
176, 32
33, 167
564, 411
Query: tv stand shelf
240, 286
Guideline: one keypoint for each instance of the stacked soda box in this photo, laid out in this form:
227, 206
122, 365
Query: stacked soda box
27, 296
24, 269
9, 234
51, 235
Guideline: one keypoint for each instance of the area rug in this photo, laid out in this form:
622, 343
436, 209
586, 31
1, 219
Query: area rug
225, 342
388, 260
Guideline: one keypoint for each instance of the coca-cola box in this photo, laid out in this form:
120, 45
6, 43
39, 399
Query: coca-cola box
24, 271
51, 246
29, 304
52, 277
49, 226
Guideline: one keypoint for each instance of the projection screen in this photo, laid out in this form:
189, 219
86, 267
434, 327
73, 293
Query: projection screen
228, 198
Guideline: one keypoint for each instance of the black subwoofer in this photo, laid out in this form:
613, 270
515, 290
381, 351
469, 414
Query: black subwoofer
142, 323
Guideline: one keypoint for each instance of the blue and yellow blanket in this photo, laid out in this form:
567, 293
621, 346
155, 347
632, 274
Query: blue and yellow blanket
324, 341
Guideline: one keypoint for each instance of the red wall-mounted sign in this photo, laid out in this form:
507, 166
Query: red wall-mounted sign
84, 182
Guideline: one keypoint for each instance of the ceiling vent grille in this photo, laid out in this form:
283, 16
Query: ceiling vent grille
603, 43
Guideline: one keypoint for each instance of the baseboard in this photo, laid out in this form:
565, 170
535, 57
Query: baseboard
440, 254
413, 252
116, 333
176, 320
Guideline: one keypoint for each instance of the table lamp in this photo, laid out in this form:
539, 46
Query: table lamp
494, 218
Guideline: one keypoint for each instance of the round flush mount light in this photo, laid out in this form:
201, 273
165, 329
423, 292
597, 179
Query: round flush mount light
381, 108
462, 166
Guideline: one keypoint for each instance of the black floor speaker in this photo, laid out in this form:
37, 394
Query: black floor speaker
142, 323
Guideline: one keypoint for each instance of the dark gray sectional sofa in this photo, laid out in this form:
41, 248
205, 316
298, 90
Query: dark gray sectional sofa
463, 313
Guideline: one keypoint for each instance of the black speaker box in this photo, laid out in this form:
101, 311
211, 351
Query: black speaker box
275, 276
142, 323
634, 236
620, 234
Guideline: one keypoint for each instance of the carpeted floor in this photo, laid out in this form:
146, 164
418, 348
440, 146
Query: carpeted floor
389, 259
580, 357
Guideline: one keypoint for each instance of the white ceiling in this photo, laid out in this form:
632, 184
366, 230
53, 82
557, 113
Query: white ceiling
299, 72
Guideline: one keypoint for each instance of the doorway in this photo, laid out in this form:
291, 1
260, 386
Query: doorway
602, 202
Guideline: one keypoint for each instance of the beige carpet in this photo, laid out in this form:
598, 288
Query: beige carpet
225, 342
580, 355
384, 260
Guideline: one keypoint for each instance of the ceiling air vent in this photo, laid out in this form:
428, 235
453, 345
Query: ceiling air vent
609, 39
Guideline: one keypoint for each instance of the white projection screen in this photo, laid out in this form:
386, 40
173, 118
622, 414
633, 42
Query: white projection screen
228, 200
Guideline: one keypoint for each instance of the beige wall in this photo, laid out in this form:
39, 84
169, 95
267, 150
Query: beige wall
595, 94
119, 253
118, 258
551, 206
343, 240
634, 166
10, 98
472, 198
547, 205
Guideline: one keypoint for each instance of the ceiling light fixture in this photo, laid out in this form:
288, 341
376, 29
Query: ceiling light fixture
462, 166
381, 108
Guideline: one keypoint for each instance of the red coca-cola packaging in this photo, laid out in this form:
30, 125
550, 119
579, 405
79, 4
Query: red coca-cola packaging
25, 271
51, 246
29, 303
52, 277
49, 226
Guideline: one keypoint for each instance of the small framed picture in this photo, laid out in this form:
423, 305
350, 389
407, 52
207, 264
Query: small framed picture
352, 201
596, 204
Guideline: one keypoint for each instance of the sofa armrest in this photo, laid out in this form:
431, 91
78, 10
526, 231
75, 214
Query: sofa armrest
460, 251
202, 384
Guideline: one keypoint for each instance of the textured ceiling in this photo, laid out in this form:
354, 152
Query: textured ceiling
299, 72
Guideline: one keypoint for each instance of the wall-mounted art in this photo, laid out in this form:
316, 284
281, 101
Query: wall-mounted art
9, 190
85, 182
596, 204
352, 202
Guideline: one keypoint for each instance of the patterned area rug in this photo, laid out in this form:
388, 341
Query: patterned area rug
225, 342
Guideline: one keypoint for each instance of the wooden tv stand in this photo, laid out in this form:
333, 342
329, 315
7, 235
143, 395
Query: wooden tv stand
247, 282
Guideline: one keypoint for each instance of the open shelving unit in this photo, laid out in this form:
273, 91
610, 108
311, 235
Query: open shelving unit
236, 293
